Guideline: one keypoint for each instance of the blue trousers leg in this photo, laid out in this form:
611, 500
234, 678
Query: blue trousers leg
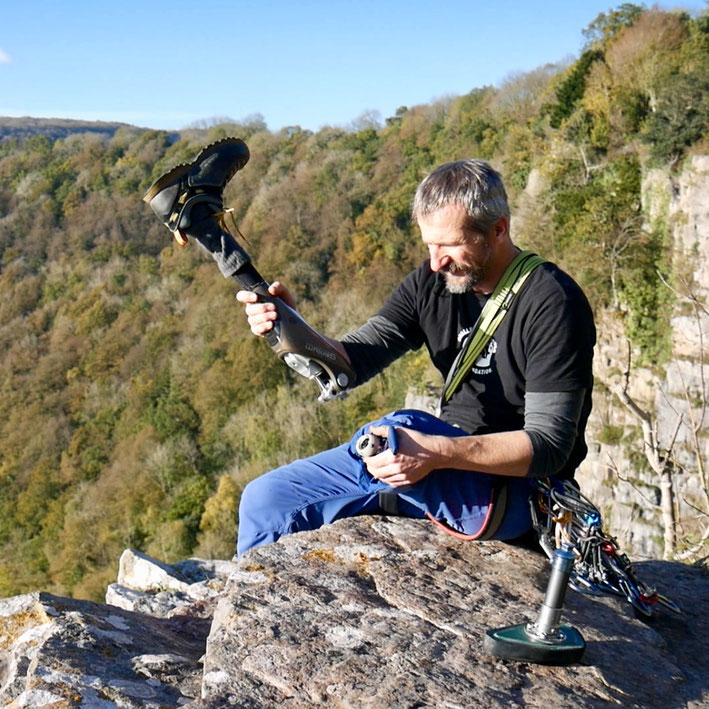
308, 493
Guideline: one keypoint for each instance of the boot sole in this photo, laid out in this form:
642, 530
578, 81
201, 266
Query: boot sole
179, 171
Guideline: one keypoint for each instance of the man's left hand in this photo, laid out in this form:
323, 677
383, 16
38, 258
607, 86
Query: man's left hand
415, 458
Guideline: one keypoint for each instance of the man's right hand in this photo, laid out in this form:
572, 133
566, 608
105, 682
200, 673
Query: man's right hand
261, 316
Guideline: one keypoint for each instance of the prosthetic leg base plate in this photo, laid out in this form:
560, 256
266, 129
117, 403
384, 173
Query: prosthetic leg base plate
514, 643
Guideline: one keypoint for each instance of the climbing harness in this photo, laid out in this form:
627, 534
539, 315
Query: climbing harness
496, 508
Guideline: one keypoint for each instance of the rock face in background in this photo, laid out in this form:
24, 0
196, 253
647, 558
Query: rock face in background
631, 507
679, 204
369, 612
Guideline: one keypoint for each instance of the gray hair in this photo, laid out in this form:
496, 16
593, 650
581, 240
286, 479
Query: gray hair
473, 184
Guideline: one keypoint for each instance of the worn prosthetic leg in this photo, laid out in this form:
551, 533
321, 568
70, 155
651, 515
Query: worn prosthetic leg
188, 200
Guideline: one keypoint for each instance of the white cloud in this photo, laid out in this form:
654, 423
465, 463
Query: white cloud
4, 57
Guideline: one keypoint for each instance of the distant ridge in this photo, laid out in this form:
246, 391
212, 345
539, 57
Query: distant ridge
54, 128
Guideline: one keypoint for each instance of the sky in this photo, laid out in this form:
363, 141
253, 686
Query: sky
310, 63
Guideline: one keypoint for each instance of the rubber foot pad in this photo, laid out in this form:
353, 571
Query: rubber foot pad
513, 643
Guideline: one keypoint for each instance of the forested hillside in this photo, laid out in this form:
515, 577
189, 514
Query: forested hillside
135, 404
54, 128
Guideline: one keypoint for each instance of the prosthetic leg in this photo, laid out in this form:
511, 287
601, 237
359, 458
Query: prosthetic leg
583, 556
188, 200
564, 518
543, 642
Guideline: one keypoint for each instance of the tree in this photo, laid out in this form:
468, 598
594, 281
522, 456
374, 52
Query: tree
679, 450
218, 523
608, 24
681, 115
571, 88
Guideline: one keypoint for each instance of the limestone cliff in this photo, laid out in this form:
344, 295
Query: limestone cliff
673, 395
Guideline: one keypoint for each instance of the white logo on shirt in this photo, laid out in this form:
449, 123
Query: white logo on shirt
484, 361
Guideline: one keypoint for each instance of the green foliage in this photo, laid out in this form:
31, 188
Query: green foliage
681, 116
134, 403
365, 144
610, 435
167, 409
188, 504
218, 524
571, 89
648, 299
596, 215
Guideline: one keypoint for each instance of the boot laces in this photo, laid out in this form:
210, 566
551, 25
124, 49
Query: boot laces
226, 220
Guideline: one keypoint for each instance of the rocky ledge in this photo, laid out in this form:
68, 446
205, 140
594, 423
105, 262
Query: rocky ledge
369, 612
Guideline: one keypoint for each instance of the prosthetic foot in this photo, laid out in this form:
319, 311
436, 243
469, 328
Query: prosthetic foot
544, 642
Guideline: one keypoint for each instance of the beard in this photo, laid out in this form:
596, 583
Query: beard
462, 279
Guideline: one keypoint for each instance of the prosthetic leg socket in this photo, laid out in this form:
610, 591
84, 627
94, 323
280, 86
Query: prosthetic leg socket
544, 642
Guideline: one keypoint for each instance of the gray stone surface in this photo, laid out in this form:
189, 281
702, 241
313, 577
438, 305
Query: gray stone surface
60, 652
146, 585
375, 612
368, 612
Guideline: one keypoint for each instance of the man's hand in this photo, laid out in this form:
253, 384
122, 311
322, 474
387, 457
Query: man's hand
261, 316
509, 453
416, 457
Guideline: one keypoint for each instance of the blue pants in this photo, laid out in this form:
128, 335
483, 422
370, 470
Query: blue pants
308, 493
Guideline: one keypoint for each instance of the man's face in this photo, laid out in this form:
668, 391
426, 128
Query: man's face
462, 256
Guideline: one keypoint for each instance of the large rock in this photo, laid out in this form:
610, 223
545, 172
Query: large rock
59, 652
378, 612
368, 612
146, 585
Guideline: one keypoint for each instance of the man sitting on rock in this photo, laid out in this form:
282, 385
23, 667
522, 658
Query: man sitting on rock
520, 410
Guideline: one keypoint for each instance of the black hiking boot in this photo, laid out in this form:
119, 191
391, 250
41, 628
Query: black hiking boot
174, 196
188, 200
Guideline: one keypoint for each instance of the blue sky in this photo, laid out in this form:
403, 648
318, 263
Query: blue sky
305, 62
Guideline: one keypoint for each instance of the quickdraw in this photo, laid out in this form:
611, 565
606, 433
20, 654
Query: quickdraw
564, 518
